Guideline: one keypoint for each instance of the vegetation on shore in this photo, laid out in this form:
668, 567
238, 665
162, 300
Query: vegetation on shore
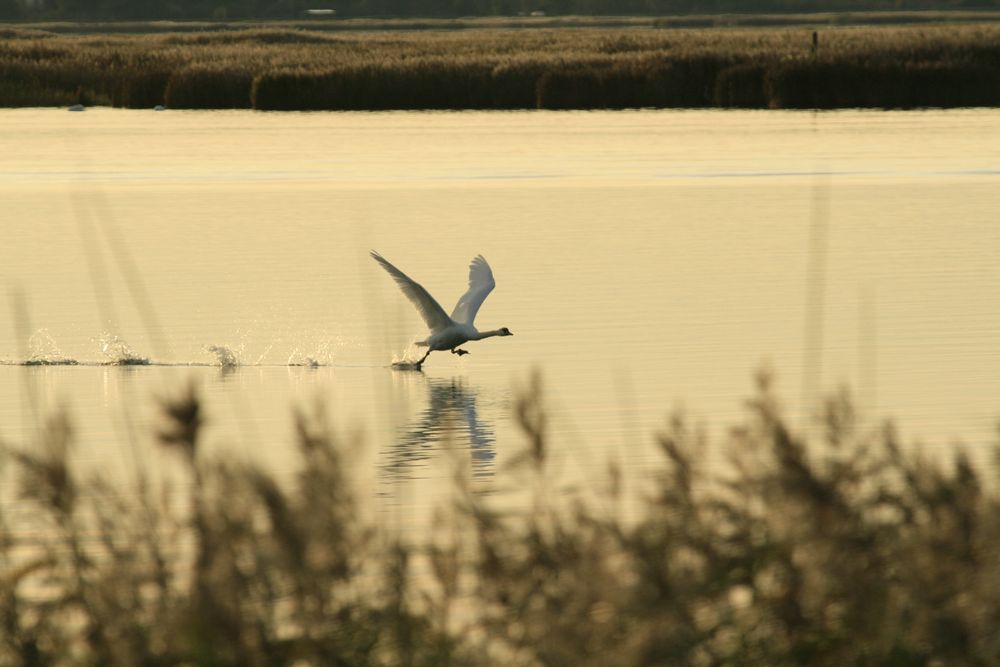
292, 69
849, 549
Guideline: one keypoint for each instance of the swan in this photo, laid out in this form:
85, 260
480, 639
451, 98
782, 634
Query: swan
447, 333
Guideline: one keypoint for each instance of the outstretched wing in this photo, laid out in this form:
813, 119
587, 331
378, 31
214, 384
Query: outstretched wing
481, 283
429, 309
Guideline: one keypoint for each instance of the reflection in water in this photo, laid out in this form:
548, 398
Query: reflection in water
450, 413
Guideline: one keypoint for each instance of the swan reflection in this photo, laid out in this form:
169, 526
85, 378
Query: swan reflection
450, 413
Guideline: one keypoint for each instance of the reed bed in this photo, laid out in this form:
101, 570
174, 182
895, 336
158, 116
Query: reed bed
295, 69
848, 549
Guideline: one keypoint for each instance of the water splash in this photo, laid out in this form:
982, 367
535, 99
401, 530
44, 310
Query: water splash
298, 359
117, 352
409, 357
321, 356
263, 354
43, 351
225, 355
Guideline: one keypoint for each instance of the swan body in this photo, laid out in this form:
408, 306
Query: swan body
448, 332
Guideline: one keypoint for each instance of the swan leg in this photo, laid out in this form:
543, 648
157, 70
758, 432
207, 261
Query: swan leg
459, 352
426, 354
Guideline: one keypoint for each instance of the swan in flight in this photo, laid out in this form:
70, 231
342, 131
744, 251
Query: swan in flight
447, 333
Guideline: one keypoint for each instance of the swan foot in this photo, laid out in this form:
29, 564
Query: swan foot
411, 365
459, 352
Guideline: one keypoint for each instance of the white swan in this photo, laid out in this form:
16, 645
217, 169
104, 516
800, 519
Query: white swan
447, 333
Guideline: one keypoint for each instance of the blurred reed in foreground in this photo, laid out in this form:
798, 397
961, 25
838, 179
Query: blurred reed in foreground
852, 550
593, 68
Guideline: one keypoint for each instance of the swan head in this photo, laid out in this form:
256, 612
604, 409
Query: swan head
504, 331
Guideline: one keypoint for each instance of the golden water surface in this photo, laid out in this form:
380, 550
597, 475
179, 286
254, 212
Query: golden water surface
645, 261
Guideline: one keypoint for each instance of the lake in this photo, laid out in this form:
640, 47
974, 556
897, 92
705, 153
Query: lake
646, 262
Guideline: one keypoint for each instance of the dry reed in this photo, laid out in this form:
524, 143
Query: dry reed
283, 68
849, 550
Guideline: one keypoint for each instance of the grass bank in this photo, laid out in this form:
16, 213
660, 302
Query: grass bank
588, 68
849, 549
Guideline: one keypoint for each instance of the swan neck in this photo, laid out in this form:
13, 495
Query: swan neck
486, 334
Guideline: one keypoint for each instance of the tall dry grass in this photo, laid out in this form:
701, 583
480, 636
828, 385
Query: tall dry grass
848, 550
282, 68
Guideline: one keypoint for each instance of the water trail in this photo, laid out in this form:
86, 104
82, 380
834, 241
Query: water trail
232, 355
297, 358
321, 356
43, 361
117, 352
43, 351
225, 355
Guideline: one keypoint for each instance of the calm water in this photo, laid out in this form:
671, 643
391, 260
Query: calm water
645, 261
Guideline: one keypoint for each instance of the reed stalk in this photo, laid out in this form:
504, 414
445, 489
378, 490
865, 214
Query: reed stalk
846, 548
